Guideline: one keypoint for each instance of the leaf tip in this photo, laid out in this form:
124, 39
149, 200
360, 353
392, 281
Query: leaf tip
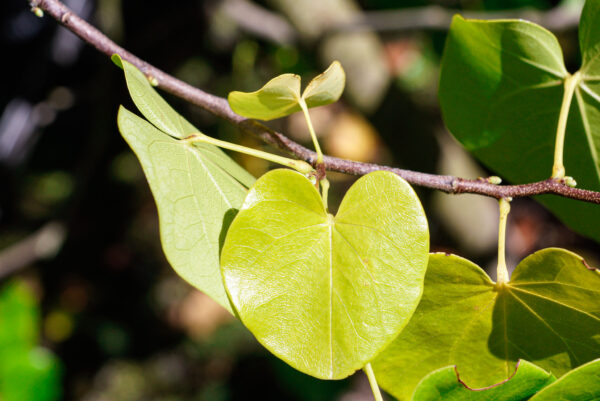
117, 60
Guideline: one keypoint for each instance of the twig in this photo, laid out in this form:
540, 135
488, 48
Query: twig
219, 107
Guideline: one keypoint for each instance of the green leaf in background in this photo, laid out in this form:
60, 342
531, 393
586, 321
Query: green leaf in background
27, 372
280, 96
501, 90
581, 384
19, 317
162, 116
325, 293
548, 313
445, 384
196, 199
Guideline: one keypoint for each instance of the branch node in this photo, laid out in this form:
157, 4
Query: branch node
320, 171
569, 181
152, 79
65, 18
37, 11
494, 179
455, 184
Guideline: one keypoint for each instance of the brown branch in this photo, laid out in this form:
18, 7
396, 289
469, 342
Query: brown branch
219, 107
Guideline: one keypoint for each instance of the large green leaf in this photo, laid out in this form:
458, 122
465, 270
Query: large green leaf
446, 384
501, 90
326, 293
162, 116
196, 199
548, 314
581, 384
280, 96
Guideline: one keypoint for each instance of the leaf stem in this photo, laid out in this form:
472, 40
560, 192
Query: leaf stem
502, 271
373, 382
571, 82
313, 135
325, 191
298, 165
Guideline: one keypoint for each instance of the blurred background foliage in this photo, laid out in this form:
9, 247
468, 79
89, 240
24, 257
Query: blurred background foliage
89, 308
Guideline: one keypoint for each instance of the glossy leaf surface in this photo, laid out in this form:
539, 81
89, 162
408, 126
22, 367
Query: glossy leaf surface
501, 90
581, 384
548, 314
445, 384
196, 200
280, 96
324, 293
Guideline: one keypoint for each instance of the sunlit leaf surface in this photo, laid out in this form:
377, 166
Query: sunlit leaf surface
196, 200
326, 293
548, 313
280, 96
581, 384
501, 90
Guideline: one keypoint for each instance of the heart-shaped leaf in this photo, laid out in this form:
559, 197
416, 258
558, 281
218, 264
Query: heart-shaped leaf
581, 384
324, 293
280, 96
197, 188
501, 90
446, 384
548, 313
196, 200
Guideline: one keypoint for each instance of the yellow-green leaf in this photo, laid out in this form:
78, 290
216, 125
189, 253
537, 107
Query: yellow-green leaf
280, 96
277, 98
548, 313
325, 293
196, 200
162, 116
581, 384
327, 87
